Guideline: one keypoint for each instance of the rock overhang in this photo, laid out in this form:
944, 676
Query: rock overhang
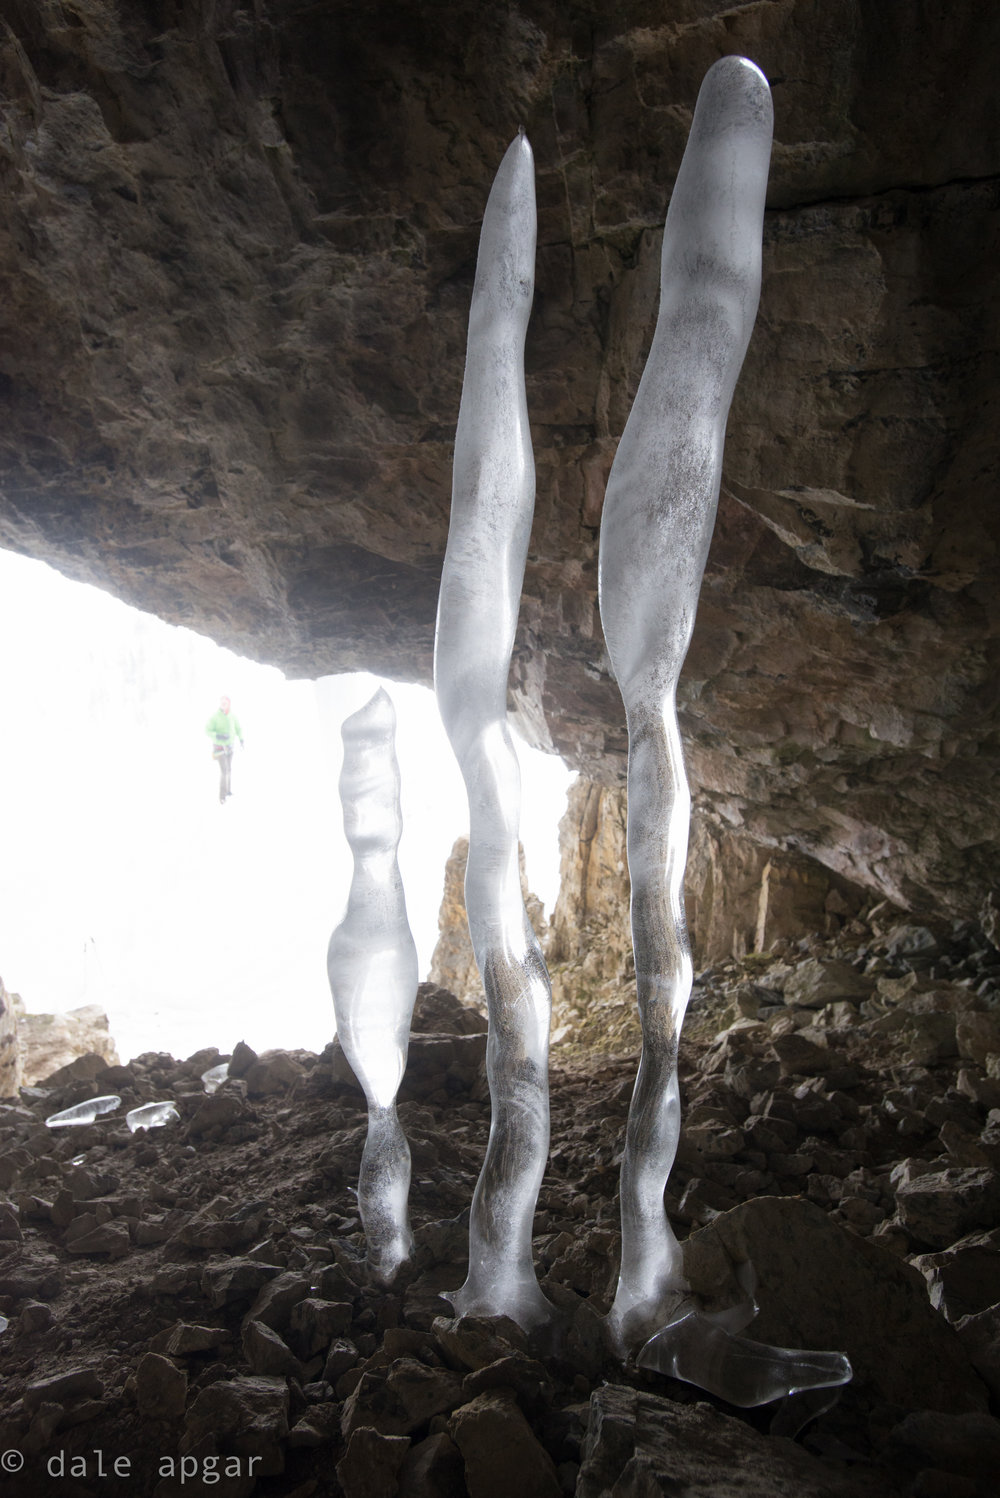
237, 263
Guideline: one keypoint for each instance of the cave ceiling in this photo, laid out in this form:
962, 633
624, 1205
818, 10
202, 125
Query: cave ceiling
236, 255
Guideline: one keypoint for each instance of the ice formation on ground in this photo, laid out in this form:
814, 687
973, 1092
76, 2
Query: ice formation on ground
151, 1116
83, 1113
657, 524
493, 498
372, 965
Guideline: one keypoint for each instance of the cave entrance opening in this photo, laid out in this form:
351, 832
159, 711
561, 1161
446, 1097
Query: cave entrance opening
125, 884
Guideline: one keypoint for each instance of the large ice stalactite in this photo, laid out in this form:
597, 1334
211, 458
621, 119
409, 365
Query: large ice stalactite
657, 524
372, 965
492, 504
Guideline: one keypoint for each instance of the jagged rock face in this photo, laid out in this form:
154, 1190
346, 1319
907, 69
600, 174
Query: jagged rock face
236, 258
453, 962
10, 1051
739, 897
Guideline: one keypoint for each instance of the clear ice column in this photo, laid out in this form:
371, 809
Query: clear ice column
657, 524
372, 965
655, 532
492, 505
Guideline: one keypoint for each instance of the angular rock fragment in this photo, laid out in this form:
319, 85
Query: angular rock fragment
63, 1388
247, 1416
964, 1278
501, 1453
10, 1225
470, 1342
940, 1207
111, 1238
160, 1387
187, 1339
370, 1466
236, 1279
267, 1353
980, 1336
317, 1427
814, 983
433, 1469
314, 1323
422, 1392
977, 1036
277, 1298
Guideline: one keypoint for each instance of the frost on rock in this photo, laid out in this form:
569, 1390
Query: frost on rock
151, 1116
372, 965
493, 497
83, 1113
658, 517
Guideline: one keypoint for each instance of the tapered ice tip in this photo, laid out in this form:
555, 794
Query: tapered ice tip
518, 154
377, 717
734, 93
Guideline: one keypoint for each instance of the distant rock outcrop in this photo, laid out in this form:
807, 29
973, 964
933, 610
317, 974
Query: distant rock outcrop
453, 964
10, 1053
49, 1042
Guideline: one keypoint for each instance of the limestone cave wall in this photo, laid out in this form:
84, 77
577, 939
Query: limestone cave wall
236, 253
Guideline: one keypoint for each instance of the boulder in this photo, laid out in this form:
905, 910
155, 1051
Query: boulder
978, 1036
370, 1466
638, 1445
817, 982
160, 1387
501, 1453
433, 1469
941, 1206
267, 1353
821, 1287
965, 1278
437, 1011
246, 1416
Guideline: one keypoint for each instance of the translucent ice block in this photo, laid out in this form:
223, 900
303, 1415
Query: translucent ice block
83, 1113
151, 1116
493, 496
372, 965
698, 1350
213, 1079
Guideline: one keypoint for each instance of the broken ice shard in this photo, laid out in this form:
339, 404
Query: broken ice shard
83, 1113
493, 495
696, 1349
213, 1079
372, 965
151, 1116
656, 527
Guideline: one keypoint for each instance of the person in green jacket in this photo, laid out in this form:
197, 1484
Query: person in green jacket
223, 728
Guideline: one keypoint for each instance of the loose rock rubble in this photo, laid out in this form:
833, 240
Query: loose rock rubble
193, 1300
